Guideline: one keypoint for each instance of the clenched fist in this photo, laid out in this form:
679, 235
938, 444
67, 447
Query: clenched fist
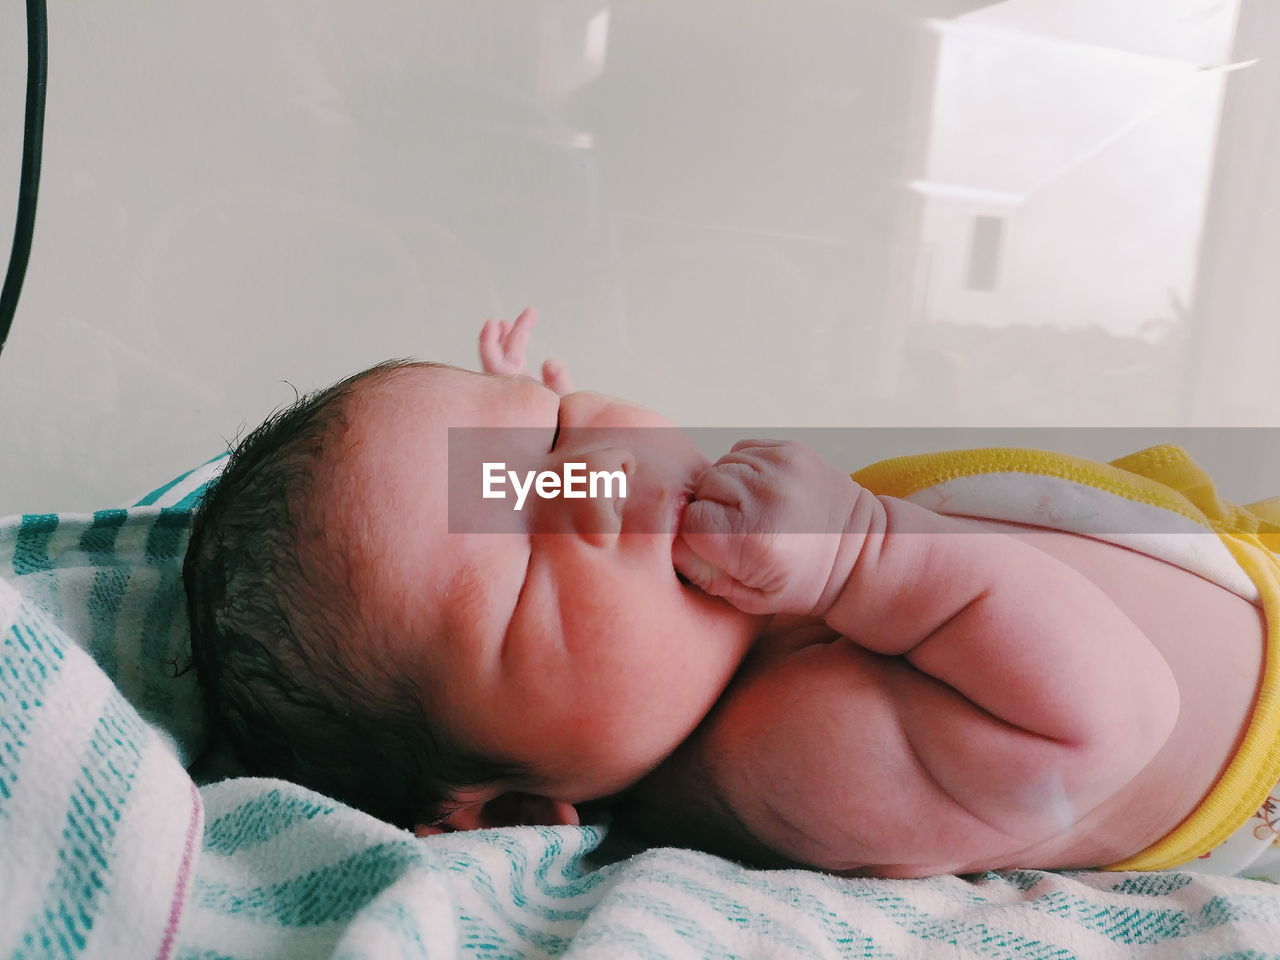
772, 528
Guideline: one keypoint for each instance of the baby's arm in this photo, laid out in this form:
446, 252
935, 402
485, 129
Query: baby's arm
1021, 696
1028, 674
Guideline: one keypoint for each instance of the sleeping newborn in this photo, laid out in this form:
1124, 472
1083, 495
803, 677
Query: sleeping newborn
760, 656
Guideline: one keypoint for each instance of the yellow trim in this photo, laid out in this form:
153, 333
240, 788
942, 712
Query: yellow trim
1161, 476
903, 476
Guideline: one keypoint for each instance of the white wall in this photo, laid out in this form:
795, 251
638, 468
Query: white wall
716, 206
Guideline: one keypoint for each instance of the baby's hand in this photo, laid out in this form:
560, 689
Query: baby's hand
502, 351
763, 529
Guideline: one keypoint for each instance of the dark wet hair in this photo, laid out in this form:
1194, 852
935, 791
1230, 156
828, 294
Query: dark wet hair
275, 627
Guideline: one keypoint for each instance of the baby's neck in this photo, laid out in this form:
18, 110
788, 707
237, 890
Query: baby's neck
783, 634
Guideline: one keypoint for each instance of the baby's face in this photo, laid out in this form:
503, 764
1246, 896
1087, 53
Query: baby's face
567, 643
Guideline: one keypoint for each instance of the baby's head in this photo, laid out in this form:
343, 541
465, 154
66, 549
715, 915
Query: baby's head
351, 638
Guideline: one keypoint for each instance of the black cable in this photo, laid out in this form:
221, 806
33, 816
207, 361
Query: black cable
29, 180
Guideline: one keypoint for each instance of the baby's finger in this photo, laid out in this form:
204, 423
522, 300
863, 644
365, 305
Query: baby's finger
717, 532
747, 444
714, 582
526, 320
556, 377
490, 351
768, 455
520, 331
691, 566
727, 483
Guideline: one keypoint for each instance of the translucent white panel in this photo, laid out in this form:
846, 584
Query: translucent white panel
813, 213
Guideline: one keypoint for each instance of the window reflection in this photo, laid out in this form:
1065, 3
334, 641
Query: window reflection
1054, 225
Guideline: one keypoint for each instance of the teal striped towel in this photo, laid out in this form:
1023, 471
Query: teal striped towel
109, 849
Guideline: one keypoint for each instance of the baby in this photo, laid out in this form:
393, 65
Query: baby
760, 657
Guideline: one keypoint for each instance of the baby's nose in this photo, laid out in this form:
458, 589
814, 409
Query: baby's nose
594, 494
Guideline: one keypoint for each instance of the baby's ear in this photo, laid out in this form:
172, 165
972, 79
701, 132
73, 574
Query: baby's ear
506, 810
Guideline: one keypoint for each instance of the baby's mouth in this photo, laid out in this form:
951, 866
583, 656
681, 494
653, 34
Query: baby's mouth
682, 502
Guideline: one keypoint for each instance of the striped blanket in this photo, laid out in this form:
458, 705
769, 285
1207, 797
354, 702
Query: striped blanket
108, 848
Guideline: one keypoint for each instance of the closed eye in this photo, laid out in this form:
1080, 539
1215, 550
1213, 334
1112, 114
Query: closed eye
556, 436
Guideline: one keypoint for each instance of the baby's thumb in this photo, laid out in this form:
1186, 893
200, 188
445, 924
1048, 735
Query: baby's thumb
711, 580
694, 569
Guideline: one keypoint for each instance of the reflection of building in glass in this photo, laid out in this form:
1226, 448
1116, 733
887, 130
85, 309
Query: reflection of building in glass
1065, 178
1065, 183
